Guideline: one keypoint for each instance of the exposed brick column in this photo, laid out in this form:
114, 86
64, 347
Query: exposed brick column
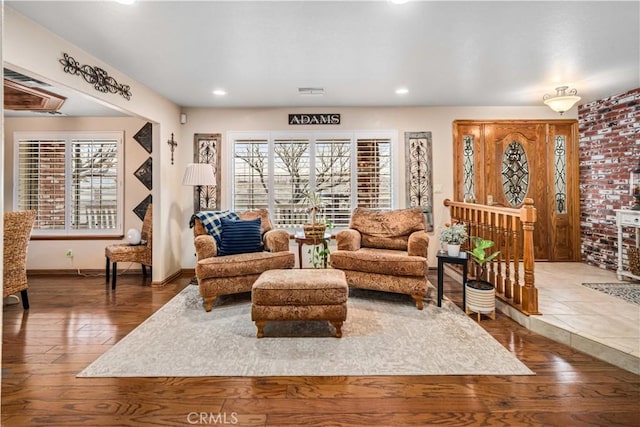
609, 150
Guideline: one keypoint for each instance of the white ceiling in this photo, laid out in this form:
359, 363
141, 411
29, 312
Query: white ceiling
446, 53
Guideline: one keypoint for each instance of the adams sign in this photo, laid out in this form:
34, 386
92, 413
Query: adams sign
314, 119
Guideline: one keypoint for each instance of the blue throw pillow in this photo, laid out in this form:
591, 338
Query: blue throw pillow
240, 236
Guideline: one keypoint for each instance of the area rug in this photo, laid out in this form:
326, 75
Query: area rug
384, 335
629, 292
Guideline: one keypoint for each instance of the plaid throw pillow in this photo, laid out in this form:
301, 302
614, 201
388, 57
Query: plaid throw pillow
212, 221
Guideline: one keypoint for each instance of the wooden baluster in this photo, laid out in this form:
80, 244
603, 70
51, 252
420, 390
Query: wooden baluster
500, 258
507, 253
513, 290
529, 292
474, 232
492, 237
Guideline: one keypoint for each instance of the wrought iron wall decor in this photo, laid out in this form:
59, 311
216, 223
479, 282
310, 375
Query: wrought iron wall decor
143, 173
206, 149
419, 173
141, 209
173, 145
144, 137
99, 78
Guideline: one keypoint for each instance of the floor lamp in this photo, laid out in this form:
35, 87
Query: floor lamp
197, 175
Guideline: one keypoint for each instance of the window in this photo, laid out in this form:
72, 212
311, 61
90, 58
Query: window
72, 180
277, 171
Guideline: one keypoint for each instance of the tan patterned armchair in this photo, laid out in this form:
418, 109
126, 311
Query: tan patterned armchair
385, 251
17, 232
219, 274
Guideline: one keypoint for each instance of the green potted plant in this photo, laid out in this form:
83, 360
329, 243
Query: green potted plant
319, 252
478, 253
453, 235
480, 294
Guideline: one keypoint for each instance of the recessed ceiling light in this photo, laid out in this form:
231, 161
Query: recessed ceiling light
220, 92
127, 2
399, 1
402, 91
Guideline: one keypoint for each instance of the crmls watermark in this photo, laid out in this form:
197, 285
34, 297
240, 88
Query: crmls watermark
212, 418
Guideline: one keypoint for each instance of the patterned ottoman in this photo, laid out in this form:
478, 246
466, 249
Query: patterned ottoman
307, 294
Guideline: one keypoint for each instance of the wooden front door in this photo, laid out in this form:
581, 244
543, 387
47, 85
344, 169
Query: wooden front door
503, 162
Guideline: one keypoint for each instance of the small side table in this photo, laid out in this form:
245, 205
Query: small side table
301, 240
461, 260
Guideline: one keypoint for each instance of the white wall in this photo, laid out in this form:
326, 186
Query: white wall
30, 48
438, 120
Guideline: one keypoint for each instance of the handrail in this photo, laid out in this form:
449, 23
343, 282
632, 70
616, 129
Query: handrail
512, 231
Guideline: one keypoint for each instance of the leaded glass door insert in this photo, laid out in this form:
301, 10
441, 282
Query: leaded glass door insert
468, 169
560, 173
515, 173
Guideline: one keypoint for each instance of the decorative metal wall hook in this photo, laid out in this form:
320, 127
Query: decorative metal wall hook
99, 78
173, 145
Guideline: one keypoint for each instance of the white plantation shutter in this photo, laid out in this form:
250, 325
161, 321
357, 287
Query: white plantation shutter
250, 167
290, 182
345, 169
40, 180
94, 185
374, 173
72, 180
333, 179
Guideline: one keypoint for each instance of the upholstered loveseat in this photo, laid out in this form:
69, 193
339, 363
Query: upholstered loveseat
385, 251
220, 274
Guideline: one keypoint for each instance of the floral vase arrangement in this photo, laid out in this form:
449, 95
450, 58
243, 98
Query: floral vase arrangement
453, 235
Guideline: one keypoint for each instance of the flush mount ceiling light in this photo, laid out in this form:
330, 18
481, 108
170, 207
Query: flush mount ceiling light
402, 91
127, 2
311, 91
564, 99
220, 92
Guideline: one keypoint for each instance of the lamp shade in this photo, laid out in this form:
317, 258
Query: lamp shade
199, 174
562, 102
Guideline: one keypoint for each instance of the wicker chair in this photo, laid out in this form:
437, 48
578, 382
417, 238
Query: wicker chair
125, 252
17, 231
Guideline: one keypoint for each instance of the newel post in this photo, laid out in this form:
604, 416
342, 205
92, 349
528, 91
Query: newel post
529, 291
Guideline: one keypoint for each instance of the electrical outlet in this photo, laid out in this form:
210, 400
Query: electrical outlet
69, 254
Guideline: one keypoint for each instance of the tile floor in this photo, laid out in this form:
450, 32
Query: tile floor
588, 320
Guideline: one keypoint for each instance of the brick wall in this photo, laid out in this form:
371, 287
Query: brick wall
609, 150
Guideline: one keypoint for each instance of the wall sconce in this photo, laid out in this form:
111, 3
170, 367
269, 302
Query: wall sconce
634, 187
563, 100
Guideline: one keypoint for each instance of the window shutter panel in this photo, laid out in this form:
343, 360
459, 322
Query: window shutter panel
41, 181
94, 185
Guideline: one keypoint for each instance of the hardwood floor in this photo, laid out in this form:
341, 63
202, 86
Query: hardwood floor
74, 319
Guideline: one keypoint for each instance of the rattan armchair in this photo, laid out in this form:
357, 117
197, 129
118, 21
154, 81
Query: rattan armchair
17, 231
125, 252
